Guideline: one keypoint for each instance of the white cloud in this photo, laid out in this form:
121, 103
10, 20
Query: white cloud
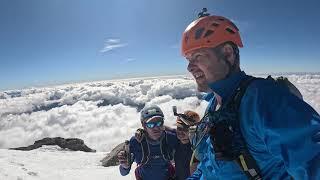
105, 113
130, 59
113, 40
111, 44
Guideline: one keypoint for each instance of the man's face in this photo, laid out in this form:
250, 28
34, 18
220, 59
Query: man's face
154, 128
206, 68
183, 135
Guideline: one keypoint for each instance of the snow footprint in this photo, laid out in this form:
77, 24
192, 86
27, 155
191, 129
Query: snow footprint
30, 172
33, 173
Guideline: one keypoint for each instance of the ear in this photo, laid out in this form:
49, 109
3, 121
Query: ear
229, 53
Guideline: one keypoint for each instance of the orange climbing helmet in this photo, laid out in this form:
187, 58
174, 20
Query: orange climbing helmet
209, 31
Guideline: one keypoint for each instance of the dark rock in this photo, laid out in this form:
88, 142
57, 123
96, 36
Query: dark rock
111, 159
74, 144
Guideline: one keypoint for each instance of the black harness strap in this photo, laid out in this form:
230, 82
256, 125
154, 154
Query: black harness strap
145, 151
246, 162
165, 150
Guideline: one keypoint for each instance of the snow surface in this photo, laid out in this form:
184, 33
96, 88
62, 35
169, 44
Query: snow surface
53, 163
103, 114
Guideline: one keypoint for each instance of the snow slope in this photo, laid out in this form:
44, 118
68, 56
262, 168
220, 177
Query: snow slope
53, 163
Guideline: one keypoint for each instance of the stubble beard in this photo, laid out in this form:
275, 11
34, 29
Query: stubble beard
202, 86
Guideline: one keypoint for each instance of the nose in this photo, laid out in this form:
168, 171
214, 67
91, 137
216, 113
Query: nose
156, 128
180, 134
190, 67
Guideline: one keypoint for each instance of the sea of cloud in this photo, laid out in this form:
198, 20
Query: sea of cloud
106, 113
103, 114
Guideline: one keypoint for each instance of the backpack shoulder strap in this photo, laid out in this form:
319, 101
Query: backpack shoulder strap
246, 161
166, 151
141, 138
241, 90
145, 151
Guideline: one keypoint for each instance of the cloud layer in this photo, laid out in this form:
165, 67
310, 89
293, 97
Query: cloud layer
105, 113
101, 113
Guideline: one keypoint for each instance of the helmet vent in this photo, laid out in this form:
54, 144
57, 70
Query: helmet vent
221, 19
208, 33
230, 30
234, 26
215, 24
198, 33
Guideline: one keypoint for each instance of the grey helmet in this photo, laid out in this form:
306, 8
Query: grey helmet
150, 111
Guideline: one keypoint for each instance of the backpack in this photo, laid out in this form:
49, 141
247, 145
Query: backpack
284, 82
226, 135
166, 151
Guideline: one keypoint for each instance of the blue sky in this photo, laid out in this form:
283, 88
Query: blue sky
46, 42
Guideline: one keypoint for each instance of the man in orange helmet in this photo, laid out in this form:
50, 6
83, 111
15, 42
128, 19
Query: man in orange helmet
253, 128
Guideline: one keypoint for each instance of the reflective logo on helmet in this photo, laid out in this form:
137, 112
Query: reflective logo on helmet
152, 111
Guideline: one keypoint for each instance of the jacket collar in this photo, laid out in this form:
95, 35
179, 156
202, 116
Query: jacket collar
226, 87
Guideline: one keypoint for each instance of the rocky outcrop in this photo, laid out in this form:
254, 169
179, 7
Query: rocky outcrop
111, 158
74, 144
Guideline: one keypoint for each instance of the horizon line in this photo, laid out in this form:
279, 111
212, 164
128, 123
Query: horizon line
53, 84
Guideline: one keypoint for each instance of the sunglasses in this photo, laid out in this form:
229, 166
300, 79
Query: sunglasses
154, 124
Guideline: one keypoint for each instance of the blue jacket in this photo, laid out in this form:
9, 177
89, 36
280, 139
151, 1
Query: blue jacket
281, 131
157, 167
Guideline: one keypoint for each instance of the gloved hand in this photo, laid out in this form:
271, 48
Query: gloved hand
123, 160
139, 134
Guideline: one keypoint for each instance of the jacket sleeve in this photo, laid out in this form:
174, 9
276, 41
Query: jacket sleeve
124, 171
281, 127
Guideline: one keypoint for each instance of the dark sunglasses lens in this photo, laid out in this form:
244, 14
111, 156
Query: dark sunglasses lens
153, 124
150, 125
159, 123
